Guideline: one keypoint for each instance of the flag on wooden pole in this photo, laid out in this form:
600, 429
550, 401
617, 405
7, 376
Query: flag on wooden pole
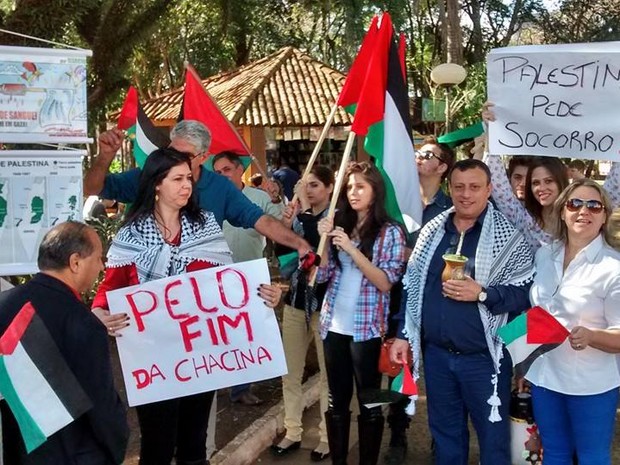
375, 92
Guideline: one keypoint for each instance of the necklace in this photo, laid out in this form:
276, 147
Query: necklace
169, 233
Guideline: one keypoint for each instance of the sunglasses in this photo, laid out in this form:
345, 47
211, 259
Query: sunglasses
594, 206
426, 155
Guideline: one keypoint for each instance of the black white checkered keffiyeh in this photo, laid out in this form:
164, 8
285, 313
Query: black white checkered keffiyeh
503, 257
142, 244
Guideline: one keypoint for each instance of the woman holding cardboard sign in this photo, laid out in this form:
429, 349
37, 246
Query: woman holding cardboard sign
166, 234
546, 178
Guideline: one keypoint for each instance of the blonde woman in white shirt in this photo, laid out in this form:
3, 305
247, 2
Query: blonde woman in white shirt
575, 386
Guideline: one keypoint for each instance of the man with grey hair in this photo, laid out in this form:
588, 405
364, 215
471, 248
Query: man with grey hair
215, 193
70, 259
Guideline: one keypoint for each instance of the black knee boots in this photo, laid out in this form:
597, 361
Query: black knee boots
399, 422
370, 427
338, 425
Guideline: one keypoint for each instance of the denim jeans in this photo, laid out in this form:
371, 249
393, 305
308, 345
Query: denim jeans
569, 423
458, 386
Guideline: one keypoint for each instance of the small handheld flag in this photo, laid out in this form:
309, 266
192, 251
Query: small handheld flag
406, 385
529, 336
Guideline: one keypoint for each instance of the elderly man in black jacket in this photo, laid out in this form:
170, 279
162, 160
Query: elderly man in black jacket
70, 259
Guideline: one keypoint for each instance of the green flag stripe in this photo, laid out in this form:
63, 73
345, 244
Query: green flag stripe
513, 330
143, 146
31, 433
373, 144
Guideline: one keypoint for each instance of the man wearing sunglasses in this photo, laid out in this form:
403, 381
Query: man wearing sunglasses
215, 193
434, 162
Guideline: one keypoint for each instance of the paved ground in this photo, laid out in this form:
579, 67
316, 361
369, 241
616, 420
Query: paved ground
418, 452
418, 436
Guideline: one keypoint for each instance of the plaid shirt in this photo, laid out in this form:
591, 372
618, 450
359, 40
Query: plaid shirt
391, 260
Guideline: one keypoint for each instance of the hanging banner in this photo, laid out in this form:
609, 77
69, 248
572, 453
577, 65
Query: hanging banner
38, 189
43, 95
555, 100
197, 332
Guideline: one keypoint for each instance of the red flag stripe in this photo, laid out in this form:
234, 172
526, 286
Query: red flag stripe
543, 328
371, 103
129, 112
353, 84
17, 328
199, 105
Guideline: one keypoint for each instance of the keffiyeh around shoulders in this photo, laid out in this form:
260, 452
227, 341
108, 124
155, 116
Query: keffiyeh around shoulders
142, 244
503, 257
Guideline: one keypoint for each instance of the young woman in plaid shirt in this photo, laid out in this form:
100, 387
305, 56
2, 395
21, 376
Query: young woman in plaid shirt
367, 256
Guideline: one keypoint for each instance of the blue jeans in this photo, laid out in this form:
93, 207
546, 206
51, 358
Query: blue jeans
458, 386
568, 423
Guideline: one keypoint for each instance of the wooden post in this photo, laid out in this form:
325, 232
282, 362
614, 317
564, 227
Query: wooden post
335, 195
319, 143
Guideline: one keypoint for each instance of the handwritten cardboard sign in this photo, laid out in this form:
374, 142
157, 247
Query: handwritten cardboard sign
555, 100
197, 332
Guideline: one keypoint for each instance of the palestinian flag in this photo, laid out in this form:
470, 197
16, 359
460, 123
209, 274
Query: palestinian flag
529, 336
144, 135
375, 92
404, 383
40, 389
199, 105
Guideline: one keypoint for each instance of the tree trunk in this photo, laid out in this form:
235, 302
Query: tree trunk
454, 37
443, 19
477, 42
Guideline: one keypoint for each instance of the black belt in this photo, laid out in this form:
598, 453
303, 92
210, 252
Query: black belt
455, 351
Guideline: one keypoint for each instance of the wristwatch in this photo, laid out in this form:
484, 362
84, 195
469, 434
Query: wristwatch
483, 295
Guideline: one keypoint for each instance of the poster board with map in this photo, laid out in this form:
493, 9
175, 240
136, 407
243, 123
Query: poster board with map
43, 95
38, 189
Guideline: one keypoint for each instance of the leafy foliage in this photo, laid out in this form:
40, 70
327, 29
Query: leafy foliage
146, 42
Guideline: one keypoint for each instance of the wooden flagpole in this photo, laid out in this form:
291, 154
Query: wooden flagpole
335, 195
319, 144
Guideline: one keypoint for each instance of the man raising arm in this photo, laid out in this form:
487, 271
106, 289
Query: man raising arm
215, 193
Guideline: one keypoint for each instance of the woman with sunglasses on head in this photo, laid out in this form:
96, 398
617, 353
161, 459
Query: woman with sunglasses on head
300, 324
366, 257
575, 386
165, 234
546, 178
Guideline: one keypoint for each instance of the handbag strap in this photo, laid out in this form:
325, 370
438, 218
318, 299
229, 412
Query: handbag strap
381, 317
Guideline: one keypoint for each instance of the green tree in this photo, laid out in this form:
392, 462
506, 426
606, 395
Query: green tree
581, 21
110, 28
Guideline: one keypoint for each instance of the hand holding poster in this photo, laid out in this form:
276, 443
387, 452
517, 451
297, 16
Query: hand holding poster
197, 332
555, 100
